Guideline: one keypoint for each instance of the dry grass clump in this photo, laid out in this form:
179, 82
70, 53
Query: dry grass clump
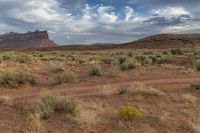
55, 66
143, 90
135, 89
107, 90
87, 117
33, 124
87, 120
65, 77
123, 89
194, 127
68, 105
194, 122
129, 114
190, 98
13, 78
113, 72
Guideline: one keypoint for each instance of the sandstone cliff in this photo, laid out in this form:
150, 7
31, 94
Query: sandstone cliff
26, 40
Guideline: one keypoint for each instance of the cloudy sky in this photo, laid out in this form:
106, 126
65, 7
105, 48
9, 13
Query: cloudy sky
105, 21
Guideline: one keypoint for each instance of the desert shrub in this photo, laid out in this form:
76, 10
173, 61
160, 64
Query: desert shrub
195, 86
81, 61
163, 61
23, 58
1, 58
106, 60
57, 59
130, 54
165, 53
122, 59
148, 52
51, 102
159, 60
196, 64
13, 78
95, 71
55, 66
8, 55
129, 114
67, 105
65, 77
122, 90
32, 124
176, 52
128, 64
113, 72
47, 105
143, 59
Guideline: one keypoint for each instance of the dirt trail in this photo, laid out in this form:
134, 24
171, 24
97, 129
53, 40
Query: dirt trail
93, 90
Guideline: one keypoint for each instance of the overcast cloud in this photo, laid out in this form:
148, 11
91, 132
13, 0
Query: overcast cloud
92, 21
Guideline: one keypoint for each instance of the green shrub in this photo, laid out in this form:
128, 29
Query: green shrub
13, 78
195, 86
95, 71
113, 72
196, 64
122, 59
159, 60
51, 102
143, 59
8, 56
65, 77
176, 52
165, 53
129, 64
47, 105
129, 114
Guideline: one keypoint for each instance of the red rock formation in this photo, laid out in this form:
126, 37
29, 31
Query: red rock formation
26, 40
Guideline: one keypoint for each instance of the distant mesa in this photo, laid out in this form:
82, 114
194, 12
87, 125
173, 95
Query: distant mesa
36, 39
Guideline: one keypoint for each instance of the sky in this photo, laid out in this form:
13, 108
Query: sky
100, 21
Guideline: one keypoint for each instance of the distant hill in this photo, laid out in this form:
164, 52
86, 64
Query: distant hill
162, 41
34, 39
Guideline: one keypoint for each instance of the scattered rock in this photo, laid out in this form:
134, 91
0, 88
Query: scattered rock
3, 99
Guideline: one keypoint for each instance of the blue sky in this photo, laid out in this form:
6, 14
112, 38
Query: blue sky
104, 21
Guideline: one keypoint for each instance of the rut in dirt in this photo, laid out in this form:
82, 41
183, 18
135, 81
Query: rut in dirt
94, 90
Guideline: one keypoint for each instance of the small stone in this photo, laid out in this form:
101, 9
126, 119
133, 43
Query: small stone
3, 99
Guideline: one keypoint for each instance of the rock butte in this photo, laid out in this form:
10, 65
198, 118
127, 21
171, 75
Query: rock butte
26, 40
